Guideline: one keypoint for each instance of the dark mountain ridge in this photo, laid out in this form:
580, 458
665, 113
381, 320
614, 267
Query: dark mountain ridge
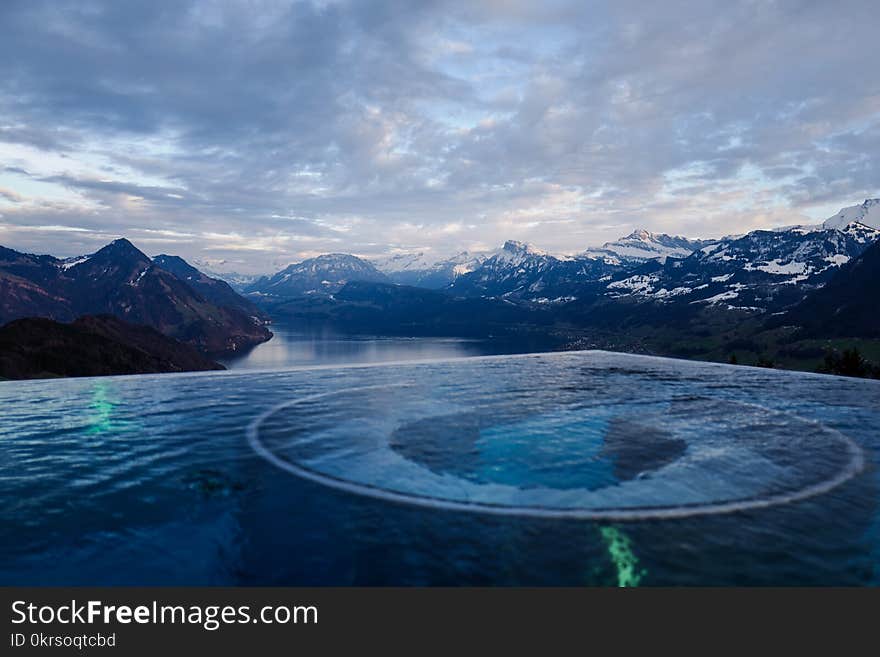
121, 280
36, 348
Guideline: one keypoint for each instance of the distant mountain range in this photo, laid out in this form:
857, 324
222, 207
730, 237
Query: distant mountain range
120, 280
519, 272
762, 271
645, 291
651, 292
326, 274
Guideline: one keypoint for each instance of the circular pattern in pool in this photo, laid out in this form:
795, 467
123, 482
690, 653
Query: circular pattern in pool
548, 452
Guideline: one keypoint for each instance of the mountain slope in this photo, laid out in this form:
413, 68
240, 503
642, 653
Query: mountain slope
868, 213
846, 306
389, 309
217, 291
122, 281
325, 274
91, 346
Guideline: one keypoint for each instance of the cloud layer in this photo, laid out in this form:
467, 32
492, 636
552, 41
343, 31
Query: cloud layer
251, 134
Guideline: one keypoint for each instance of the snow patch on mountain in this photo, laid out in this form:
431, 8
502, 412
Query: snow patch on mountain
400, 262
70, 263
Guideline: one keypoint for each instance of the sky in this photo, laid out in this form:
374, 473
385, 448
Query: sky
245, 135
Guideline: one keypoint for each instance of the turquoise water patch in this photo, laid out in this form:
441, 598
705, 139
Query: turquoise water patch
561, 450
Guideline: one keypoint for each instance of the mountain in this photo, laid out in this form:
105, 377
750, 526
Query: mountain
765, 270
216, 291
868, 214
390, 309
642, 245
846, 306
323, 275
418, 270
236, 280
520, 272
121, 280
25, 286
35, 348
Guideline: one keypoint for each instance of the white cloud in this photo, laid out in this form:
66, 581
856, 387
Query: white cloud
259, 132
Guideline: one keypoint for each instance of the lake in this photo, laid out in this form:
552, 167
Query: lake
294, 345
575, 468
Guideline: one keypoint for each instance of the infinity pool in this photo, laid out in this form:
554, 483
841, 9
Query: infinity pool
578, 468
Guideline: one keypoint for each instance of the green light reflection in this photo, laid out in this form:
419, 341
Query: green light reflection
620, 550
102, 410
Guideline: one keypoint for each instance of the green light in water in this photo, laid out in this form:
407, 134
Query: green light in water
103, 410
622, 556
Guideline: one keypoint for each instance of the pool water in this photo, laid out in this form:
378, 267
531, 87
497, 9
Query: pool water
578, 468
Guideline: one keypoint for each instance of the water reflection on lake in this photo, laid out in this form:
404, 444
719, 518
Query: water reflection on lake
297, 346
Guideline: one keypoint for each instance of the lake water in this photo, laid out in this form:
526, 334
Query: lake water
577, 468
293, 345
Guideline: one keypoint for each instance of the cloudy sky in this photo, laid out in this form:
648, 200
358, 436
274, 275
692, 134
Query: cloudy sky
249, 134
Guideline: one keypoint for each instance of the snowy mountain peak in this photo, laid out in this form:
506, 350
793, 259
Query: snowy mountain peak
514, 253
642, 245
640, 234
868, 213
325, 274
335, 264
521, 248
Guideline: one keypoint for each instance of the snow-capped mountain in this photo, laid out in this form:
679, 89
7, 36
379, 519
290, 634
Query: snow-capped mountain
868, 213
325, 274
403, 262
763, 270
519, 271
421, 271
236, 280
642, 245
